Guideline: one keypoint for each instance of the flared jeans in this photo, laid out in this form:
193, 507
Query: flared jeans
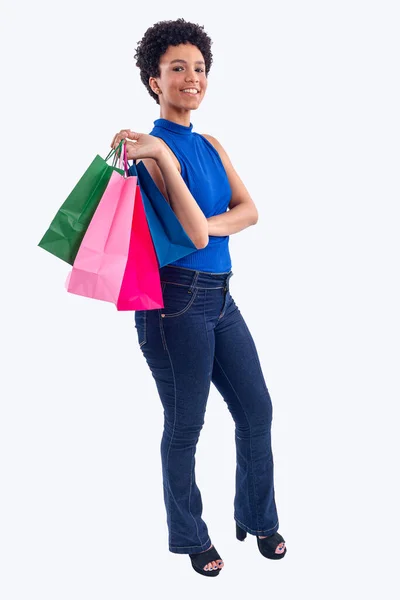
200, 337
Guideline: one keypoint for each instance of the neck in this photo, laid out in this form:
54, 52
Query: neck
180, 117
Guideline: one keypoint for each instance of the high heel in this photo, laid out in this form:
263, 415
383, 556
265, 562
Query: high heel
240, 533
272, 546
200, 559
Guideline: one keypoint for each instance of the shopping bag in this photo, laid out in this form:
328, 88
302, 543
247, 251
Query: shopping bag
66, 231
170, 240
116, 261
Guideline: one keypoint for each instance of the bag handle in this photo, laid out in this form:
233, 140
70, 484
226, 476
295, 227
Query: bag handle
123, 163
116, 158
122, 158
113, 151
126, 164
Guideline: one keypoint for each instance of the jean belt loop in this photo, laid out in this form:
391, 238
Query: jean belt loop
193, 284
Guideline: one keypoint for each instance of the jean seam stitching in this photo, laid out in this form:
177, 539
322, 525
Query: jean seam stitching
169, 449
190, 493
251, 437
174, 283
205, 326
163, 340
144, 330
257, 530
207, 272
178, 314
206, 542
188, 286
172, 435
194, 449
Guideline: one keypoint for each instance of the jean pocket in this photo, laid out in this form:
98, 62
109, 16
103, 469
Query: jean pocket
177, 299
141, 326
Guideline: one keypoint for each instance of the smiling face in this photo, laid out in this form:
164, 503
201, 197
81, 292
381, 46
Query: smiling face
182, 68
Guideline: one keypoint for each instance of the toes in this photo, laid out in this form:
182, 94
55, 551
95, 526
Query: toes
280, 548
211, 566
214, 565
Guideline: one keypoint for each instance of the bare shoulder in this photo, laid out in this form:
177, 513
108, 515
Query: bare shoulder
212, 140
240, 194
220, 149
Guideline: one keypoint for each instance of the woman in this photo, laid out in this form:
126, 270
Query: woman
200, 336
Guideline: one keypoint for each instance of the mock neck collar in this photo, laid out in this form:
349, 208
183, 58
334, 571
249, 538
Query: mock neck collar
172, 126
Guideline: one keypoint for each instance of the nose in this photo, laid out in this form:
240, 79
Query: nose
192, 76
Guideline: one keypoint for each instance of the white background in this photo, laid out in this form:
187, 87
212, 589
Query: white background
304, 97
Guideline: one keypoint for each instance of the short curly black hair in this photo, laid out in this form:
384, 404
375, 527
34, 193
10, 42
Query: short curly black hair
155, 43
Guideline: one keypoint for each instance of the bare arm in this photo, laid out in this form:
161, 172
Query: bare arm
188, 212
232, 221
242, 211
160, 164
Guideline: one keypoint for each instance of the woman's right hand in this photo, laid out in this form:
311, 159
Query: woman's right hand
143, 146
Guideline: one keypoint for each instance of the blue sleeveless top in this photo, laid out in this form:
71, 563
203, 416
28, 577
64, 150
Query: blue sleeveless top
204, 174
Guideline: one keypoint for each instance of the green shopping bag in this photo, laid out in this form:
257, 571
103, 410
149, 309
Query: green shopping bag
66, 231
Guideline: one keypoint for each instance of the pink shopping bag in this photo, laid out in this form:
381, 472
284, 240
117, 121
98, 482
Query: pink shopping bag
116, 261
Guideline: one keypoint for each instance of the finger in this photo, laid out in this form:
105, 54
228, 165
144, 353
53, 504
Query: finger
115, 141
118, 137
119, 147
123, 134
118, 141
133, 135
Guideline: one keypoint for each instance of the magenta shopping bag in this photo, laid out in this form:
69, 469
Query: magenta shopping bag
116, 261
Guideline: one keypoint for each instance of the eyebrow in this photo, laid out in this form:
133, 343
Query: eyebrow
200, 62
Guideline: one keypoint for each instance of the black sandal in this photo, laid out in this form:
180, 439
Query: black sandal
267, 546
200, 559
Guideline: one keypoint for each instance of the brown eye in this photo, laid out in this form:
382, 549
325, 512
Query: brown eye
175, 68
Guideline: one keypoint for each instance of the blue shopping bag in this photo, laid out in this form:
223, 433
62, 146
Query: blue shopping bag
170, 240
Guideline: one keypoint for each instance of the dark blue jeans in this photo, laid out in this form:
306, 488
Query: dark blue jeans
198, 338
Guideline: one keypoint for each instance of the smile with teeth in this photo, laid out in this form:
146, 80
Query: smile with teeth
191, 91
